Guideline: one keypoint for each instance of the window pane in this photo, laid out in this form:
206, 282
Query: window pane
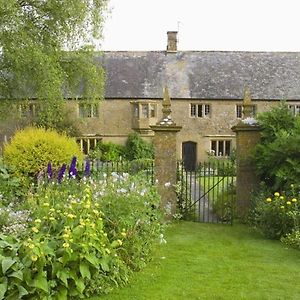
221, 148
145, 110
227, 148
239, 111
193, 110
206, 109
213, 147
152, 110
200, 112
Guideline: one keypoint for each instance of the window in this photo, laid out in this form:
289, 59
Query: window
200, 110
295, 108
239, 111
220, 147
144, 110
87, 144
28, 110
88, 110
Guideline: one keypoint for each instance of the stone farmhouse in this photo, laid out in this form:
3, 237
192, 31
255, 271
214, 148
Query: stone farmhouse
207, 89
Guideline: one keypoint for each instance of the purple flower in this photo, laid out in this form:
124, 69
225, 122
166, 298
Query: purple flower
87, 170
61, 173
49, 171
72, 170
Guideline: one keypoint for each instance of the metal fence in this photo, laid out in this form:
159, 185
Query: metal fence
142, 167
207, 194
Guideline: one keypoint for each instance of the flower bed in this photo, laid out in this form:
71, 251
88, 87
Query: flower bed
78, 237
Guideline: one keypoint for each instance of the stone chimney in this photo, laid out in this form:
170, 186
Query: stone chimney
172, 41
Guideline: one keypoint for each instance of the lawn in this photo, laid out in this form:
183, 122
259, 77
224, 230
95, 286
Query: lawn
213, 261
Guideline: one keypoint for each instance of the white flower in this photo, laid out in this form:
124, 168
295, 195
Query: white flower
162, 239
249, 121
167, 184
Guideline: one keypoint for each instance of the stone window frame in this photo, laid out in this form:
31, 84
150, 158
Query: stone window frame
88, 143
28, 109
295, 109
145, 109
200, 110
220, 147
239, 111
88, 110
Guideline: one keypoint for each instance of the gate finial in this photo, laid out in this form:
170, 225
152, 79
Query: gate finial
247, 103
166, 110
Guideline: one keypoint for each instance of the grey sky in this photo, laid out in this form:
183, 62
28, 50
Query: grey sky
245, 25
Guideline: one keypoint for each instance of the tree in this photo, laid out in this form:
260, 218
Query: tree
34, 63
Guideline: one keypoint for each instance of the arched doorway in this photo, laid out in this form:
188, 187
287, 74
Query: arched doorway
189, 155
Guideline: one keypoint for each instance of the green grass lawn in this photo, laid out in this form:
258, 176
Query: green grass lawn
213, 261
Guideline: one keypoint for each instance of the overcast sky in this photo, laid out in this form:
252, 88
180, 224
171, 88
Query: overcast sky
242, 25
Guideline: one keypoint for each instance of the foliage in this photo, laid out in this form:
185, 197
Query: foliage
137, 148
10, 187
224, 205
277, 155
31, 149
34, 63
83, 237
108, 152
278, 215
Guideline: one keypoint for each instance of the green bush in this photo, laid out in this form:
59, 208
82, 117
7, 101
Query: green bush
277, 156
31, 149
137, 148
108, 152
276, 216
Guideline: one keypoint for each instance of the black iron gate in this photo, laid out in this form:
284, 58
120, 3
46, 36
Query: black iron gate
207, 194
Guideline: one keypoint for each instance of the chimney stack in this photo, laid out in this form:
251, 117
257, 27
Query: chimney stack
172, 41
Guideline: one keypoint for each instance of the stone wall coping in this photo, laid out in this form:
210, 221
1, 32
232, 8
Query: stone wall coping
166, 128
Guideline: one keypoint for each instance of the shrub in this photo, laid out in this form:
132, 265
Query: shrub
31, 149
277, 155
276, 216
108, 152
137, 148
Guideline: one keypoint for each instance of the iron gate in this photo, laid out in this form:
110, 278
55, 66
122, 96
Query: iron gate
208, 193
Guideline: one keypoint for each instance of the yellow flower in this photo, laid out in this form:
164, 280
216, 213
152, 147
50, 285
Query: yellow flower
123, 234
294, 200
288, 202
31, 246
66, 235
292, 185
120, 242
66, 245
34, 229
37, 221
95, 211
281, 197
46, 204
269, 200
71, 216
281, 206
34, 258
52, 209
51, 218
276, 194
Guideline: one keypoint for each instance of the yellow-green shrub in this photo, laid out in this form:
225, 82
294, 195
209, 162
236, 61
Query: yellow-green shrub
31, 149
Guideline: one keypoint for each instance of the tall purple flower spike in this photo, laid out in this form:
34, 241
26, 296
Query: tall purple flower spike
72, 170
87, 170
49, 171
61, 173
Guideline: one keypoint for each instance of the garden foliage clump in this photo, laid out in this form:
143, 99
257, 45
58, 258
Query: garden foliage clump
83, 237
275, 210
31, 149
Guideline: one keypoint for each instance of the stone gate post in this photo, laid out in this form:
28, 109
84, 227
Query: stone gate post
247, 136
165, 161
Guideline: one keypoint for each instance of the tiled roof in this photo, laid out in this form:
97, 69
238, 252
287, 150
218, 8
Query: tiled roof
202, 74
